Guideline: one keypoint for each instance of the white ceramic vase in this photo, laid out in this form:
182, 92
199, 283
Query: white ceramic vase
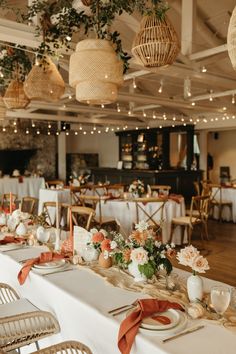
195, 288
135, 272
21, 229
90, 254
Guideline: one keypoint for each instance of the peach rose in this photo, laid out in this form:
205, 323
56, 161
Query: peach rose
139, 237
186, 255
98, 237
106, 245
200, 264
139, 255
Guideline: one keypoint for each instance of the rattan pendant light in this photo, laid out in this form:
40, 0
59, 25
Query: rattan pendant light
231, 39
44, 82
15, 97
156, 44
95, 72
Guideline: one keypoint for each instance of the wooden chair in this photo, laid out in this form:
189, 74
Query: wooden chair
66, 347
198, 216
21, 329
28, 204
57, 183
115, 188
47, 208
155, 216
197, 187
160, 189
81, 216
94, 202
216, 200
6, 199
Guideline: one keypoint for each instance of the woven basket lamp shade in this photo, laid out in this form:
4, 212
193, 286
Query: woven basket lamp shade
44, 82
2, 109
156, 44
231, 39
15, 97
95, 72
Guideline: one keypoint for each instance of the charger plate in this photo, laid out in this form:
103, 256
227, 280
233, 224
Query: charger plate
51, 265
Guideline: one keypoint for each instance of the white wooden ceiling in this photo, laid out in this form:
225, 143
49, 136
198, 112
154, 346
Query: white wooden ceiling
203, 43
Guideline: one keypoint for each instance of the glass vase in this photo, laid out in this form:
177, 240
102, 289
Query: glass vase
135, 272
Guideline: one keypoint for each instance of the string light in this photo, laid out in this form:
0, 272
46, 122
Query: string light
49, 133
92, 132
70, 97
4, 129
80, 128
14, 123
49, 126
193, 103
136, 128
154, 115
15, 130
224, 108
203, 69
67, 133
134, 83
102, 105
99, 131
233, 99
94, 128
27, 131
144, 114
211, 98
118, 107
33, 124
38, 132
57, 133
174, 118
76, 133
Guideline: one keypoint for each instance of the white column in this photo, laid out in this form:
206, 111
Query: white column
61, 151
187, 25
203, 134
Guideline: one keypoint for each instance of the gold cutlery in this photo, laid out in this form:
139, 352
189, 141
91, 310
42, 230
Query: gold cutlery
57, 271
121, 308
190, 330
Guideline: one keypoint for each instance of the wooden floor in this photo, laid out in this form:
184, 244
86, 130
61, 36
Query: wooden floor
220, 251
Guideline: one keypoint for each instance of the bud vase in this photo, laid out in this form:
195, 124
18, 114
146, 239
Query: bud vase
195, 288
104, 262
135, 272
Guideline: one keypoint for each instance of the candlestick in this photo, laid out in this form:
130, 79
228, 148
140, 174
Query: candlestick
57, 214
10, 202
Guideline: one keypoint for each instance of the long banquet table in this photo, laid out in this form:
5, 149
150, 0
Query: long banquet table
125, 212
80, 301
28, 186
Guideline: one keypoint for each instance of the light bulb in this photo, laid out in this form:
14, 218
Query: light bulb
134, 83
203, 69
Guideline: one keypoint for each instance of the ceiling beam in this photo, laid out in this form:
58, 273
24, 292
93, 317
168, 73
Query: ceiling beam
66, 118
213, 95
187, 25
208, 52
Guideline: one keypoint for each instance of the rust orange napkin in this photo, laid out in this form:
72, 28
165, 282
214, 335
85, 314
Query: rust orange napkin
176, 198
11, 239
43, 258
146, 307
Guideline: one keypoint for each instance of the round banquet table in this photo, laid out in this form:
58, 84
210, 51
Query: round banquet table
125, 213
228, 194
25, 187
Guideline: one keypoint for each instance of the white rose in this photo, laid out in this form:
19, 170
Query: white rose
104, 232
139, 255
141, 226
93, 231
200, 264
113, 245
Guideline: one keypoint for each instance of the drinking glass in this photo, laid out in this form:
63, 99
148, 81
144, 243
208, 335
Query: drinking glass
233, 298
220, 299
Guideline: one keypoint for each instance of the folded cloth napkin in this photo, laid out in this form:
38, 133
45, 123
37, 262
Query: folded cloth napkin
176, 198
43, 258
146, 307
11, 239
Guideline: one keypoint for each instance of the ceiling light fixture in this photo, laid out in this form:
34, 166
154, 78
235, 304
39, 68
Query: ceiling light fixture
118, 107
134, 83
203, 69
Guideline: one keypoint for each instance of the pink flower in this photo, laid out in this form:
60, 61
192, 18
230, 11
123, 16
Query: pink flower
139, 255
200, 264
106, 245
98, 237
186, 255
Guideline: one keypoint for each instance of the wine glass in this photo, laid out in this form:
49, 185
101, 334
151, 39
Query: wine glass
220, 299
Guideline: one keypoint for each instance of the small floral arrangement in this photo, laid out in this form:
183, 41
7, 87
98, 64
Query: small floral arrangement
143, 248
102, 243
190, 257
137, 188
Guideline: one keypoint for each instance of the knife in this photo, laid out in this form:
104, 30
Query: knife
190, 330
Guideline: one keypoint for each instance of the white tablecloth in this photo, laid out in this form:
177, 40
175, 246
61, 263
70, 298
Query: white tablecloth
80, 301
125, 213
29, 187
53, 195
228, 194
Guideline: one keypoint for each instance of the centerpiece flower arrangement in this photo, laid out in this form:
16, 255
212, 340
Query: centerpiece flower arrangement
190, 257
142, 253
100, 242
137, 188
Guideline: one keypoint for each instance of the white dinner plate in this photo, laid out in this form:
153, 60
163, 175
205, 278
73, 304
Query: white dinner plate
150, 323
169, 331
51, 265
10, 246
50, 270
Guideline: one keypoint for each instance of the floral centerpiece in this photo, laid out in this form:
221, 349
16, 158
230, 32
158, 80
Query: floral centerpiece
137, 188
102, 244
190, 257
142, 253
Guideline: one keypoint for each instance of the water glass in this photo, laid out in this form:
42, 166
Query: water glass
172, 281
220, 299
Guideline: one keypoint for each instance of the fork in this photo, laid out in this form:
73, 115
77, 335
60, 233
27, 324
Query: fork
121, 309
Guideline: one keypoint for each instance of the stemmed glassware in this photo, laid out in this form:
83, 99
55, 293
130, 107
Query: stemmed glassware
220, 299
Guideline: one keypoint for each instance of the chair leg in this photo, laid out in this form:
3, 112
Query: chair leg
37, 345
172, 232
220, 212
206, 230
189, 233
182, 234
